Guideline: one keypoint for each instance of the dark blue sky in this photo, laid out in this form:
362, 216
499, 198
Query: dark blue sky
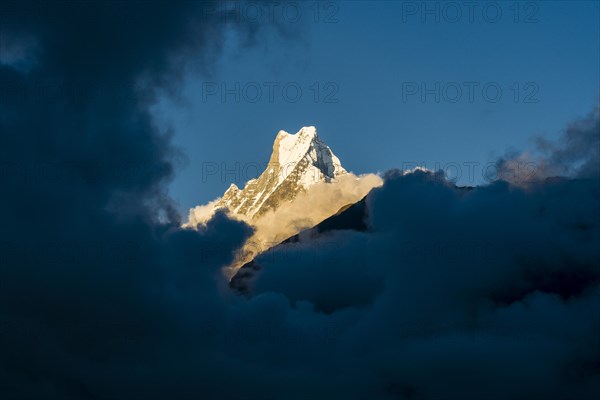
434, 292
370, 62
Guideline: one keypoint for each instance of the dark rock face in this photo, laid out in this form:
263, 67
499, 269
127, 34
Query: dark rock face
349, 217
242, 280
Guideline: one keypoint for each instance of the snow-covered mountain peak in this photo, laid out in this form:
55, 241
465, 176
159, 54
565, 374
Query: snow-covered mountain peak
297, 162
303, 183
292, 147
289, 149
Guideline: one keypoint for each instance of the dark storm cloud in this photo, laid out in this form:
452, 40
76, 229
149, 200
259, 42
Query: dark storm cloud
489, 293
97, 298
455, 293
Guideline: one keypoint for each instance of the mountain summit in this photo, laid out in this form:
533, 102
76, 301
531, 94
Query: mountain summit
297, 162
303, 184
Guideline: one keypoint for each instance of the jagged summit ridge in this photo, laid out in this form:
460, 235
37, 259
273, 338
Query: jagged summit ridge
298, 161
289, 150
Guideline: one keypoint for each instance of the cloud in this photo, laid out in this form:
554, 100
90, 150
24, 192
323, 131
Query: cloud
320, 201
459, 293
103, 296
576, 153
